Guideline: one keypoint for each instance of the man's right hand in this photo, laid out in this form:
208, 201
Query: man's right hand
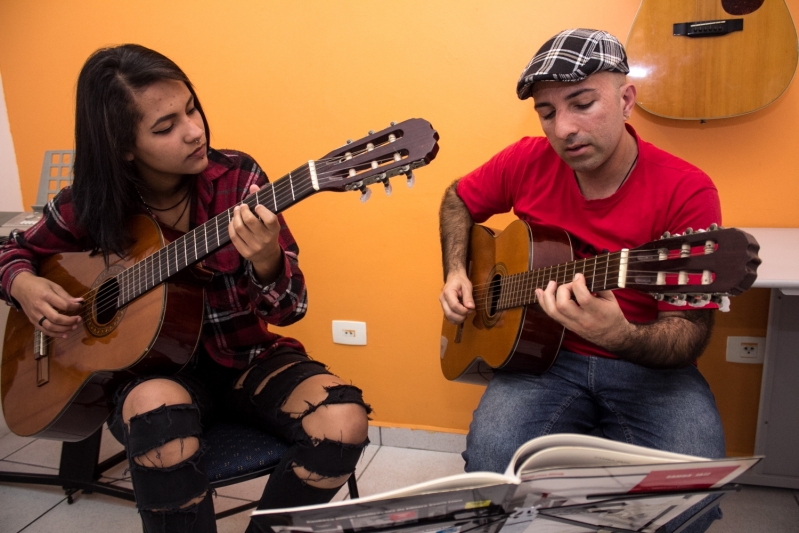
40, 297
456, 297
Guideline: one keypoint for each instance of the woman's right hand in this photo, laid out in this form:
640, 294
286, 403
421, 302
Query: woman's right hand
43, 302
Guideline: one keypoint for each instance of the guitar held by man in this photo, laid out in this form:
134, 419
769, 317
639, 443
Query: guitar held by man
509, 330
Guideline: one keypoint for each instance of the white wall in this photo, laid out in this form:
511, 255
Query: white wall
10, 192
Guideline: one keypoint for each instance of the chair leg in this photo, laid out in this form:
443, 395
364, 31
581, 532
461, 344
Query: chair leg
353, 486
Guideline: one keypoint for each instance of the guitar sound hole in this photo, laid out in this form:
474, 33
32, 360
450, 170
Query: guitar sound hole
741, 7
105, 302
493, 295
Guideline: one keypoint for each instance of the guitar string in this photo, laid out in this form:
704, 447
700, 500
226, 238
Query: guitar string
112, 301
521, 283
301, 174
601, 270
523, 294
521, 288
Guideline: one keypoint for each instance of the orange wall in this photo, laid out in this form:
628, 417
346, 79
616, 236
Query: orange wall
289, 81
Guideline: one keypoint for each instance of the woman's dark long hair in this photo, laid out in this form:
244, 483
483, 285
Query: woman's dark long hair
106, 117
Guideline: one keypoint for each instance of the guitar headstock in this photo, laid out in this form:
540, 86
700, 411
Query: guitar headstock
695, 267
398, 149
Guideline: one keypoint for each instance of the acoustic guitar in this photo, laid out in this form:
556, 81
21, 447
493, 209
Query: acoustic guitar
143, 313
510, 331
705, 59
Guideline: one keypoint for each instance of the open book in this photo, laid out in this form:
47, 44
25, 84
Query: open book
554, 484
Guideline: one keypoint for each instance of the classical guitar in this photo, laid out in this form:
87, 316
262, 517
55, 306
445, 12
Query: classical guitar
509, 329
143, 313
704, 59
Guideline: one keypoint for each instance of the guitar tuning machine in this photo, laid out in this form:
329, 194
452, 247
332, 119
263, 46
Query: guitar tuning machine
410, 179
366, 193
371, 132
349, 141
393, 123
386, 185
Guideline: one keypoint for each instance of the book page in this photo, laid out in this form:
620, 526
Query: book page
571, 439
578, 456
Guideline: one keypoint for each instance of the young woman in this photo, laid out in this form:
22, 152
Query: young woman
142, 147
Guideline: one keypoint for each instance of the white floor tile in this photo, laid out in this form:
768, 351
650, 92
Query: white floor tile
10, 466
90, 513
249, 490
394, 468
40, 452
10, 443
22, 504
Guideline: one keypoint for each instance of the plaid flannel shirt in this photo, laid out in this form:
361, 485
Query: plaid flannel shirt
237, 307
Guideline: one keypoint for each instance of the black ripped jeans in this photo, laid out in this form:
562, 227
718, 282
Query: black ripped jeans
162, 493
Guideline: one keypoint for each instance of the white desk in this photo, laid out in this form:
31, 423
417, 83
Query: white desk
778, 417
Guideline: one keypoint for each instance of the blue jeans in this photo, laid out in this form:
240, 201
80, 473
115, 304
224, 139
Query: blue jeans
670, 410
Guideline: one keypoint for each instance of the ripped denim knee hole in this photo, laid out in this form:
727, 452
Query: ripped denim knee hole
166, 488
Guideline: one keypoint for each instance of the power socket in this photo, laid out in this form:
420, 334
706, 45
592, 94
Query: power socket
746, 350
349, 332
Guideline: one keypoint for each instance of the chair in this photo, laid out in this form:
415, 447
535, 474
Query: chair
235, 453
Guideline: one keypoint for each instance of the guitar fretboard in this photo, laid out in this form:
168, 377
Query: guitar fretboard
203, 240
601, 273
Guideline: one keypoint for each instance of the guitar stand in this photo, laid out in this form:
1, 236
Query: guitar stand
79, 470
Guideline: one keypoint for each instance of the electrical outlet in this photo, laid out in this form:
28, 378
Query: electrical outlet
349, 332
746, 349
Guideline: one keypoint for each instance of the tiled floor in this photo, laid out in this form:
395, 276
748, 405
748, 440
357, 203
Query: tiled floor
40, 509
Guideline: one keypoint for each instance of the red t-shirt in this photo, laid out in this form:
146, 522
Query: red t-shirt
662, 193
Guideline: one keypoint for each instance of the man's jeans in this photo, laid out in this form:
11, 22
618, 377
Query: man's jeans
670, 410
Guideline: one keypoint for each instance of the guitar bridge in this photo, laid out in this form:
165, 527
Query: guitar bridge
708, 28
41, 345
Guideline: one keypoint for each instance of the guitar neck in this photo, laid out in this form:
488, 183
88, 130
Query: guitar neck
605, 272
205, 239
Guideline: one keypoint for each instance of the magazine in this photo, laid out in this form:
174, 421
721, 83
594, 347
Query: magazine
553, 484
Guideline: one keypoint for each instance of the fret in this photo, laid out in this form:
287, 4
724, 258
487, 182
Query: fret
607, 269
593, 276
274, 197
291, 183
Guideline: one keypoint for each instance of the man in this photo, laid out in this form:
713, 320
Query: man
626, 367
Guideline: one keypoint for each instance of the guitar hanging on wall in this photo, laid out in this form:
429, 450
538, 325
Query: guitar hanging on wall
510, 330
706, 59
143, 313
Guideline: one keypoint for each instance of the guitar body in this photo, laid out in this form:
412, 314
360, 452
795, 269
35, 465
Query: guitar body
713, 76
155, 333
521, 339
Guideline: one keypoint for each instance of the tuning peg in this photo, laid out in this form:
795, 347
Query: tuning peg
666, 235
349, 141
688, 231
371, 132
410, 179
393, 123
713, 227
387, 186
366, 193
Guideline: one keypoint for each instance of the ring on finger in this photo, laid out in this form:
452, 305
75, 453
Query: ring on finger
41, 320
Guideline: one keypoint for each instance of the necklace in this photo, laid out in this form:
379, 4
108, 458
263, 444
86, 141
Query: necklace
620, 184
628, 172
150, 208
